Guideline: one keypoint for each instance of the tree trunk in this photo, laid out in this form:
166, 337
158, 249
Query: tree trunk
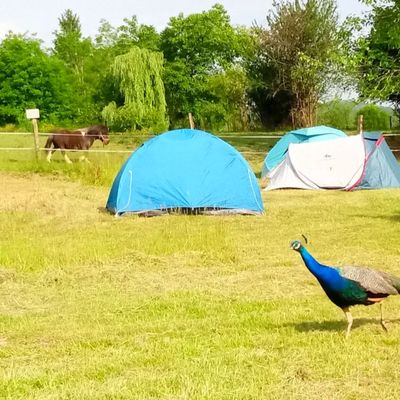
304, 111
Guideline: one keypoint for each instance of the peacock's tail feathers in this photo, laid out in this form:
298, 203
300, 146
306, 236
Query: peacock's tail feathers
394, 280
372, 281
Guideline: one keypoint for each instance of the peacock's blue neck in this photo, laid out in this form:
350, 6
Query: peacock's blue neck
328, 277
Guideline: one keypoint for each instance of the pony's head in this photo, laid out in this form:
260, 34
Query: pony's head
99, 132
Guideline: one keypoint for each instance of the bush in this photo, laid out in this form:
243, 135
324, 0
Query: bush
375, 117
337, 113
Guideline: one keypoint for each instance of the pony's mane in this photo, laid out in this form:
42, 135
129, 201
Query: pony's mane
94, 130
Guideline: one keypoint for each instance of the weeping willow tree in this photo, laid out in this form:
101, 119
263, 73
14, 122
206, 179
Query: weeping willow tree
137, 75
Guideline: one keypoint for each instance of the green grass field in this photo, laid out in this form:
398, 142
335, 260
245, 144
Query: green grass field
185, 307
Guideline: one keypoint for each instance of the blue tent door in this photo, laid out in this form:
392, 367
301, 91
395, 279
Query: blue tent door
382, 169
185, 169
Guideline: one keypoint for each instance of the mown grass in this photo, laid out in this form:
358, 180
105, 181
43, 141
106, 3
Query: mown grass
186, 307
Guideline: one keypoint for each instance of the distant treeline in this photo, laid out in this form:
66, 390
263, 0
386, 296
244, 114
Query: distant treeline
344, 115
231, 78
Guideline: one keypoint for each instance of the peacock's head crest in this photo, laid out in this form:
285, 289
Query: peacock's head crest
295, 245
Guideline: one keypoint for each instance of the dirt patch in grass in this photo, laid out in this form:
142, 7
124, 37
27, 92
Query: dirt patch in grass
51, 196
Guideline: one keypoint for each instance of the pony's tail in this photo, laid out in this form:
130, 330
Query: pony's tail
49, 142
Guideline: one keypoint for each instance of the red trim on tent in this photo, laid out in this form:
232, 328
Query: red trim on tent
379, 141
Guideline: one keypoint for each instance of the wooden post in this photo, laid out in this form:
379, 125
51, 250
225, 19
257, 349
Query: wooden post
360, 124
36, 137
33, 114
191, 122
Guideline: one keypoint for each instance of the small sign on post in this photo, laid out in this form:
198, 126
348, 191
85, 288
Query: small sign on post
33, 114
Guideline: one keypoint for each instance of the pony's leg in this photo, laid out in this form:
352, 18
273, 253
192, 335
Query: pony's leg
49, 154
84, 157
66, 158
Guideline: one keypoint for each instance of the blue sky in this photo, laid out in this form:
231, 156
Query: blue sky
41, 16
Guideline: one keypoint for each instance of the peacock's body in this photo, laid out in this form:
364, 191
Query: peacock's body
349, 286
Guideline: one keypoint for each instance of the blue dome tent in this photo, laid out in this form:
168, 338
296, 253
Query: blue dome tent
305, 135
185, 169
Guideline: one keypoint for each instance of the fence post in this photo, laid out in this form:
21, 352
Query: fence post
36, 137
360, 124
33, 114
191, 122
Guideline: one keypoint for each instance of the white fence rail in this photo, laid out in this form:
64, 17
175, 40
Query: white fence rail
94, 150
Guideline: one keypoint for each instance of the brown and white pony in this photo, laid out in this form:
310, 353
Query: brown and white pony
81, 139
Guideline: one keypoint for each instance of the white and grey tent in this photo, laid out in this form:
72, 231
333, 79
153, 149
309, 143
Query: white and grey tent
354, 162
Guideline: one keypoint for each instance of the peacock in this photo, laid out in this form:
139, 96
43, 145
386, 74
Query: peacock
348, 286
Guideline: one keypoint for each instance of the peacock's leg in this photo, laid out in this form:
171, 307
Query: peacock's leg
383, 323
349, 317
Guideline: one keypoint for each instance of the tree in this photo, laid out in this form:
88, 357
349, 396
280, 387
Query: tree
111, 42
196, 48
379, 53
338, 113
29, 78
138, 77
131, 33
77, 53
374, 117
230, 87
69, 45
299, 53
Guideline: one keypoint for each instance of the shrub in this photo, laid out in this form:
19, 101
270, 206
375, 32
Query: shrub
375, 117
337, 113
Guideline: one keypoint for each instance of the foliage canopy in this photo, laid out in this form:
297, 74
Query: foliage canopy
30, 78
138, 77
298, 53
228, 77
199, 49
379, 53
